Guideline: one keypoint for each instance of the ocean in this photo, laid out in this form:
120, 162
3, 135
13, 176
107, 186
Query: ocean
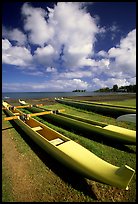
35, 95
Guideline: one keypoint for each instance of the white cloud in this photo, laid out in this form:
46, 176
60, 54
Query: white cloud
102, 53
60, 33
52, 85
6, 44
51, 69
45, 51
125, 54
35, 22
121, 62
14, 34
76, 74
15, 55
99, 83
64, 39
45, 56
64, 26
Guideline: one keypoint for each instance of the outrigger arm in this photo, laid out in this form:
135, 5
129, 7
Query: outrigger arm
28, 115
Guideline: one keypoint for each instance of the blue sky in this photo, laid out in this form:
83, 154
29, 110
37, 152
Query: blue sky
63, 46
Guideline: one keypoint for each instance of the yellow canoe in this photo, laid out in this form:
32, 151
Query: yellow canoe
71, 153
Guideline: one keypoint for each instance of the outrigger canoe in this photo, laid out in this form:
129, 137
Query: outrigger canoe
72, 154
102, 109
102, 103
88, 127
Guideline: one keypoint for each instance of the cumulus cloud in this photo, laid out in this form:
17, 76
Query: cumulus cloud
45, 55
64, 27
121, 62
125, 54
61, 41
14, 55
99, 83
36, 24
60, 34
15, 35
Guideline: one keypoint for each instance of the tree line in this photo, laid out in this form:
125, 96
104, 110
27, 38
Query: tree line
115, 88
78, 90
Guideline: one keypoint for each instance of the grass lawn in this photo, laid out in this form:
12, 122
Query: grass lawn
130, 102
115, 154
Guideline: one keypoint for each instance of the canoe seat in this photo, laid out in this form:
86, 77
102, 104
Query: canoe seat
37, 128
16, 113
56, 141
98, 126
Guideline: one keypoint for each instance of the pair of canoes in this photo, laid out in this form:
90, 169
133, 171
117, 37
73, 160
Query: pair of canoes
104, 109
89, 128
71, 153
126, 117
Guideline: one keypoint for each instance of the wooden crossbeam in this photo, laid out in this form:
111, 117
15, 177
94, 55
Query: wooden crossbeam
32, 114
28, 115
12, 118
41, 113
23, 106
27, 106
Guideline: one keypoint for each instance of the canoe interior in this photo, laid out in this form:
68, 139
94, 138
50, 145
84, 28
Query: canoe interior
44, 131
52, 136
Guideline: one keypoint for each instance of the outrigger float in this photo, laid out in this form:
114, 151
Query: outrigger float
70, 153
89, 128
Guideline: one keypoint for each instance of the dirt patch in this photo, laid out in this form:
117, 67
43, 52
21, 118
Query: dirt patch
22, 187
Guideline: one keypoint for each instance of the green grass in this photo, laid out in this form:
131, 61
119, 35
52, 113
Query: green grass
130, 102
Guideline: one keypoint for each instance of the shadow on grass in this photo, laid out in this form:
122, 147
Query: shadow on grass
118, 146
7, 128
67, 175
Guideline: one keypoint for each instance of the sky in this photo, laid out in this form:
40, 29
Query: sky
63, 46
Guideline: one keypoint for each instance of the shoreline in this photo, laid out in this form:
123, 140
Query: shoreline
101, 98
